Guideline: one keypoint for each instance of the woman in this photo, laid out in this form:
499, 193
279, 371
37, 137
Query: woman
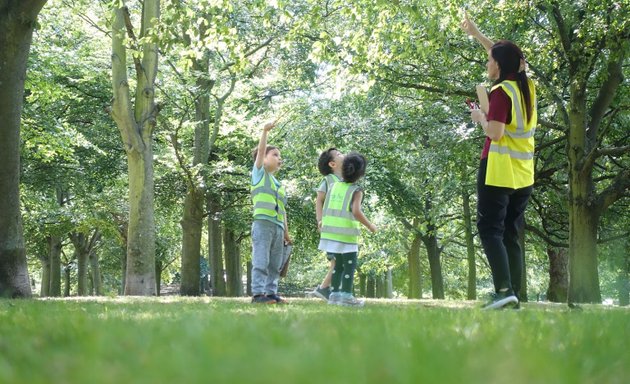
506, 170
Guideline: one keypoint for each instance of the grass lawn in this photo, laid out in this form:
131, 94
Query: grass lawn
203, 340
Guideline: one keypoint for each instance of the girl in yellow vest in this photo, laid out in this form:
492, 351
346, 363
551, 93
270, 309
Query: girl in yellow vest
329, 164
340, 229
269, 228
506, 170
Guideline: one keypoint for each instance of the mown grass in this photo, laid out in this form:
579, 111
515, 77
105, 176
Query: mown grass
183, 340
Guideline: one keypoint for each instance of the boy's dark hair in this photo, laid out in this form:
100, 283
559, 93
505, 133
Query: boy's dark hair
255, 151
325, 158
353, 167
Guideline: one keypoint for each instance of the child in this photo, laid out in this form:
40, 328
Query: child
269, 228
340, 229
329, 165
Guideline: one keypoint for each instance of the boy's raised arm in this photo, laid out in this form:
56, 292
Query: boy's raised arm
262, 145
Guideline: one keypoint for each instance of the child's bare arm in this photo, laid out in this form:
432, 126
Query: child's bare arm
262, 144
358, 213
287, 237
319, 208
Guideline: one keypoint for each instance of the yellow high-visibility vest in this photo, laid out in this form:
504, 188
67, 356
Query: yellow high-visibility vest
511, 159
330, 180
338, 222
269, 199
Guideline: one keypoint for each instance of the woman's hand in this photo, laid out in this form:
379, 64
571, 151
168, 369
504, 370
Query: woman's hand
478, 116
469, 26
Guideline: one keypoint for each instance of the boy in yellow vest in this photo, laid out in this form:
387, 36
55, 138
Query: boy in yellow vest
342, 216
329, 165
269, 229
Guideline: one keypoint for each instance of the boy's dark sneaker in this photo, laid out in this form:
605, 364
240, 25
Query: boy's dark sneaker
277, 299
262, 299
321, 293
501, 300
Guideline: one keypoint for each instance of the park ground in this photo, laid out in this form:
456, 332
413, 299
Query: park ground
194, 340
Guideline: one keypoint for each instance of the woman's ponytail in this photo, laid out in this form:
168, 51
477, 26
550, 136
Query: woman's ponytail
510, 59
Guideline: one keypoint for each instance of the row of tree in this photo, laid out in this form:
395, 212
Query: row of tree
181, 85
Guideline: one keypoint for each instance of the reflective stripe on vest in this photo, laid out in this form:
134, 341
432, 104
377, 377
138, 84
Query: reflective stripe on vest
330, 180
268, 199
338, 222
511, 159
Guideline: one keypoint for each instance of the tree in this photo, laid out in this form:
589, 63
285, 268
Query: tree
136, 122
17, 21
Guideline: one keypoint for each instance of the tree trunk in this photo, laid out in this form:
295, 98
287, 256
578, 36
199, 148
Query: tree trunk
97, 282
583, 218
81, 254
17, 21
370, 290
136, 124
215, 252
558, 275
192, 225
623, 277
471, 287
45, 280
583, 271
389, 284
158, 277
362, 283
123, 268
249, 278
523, 291
54, 287
435, 265
415, 272
192, 221
623, 288
380, 285
90, 284
66, 281
232, 264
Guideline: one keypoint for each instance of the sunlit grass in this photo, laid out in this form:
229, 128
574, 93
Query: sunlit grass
177, 340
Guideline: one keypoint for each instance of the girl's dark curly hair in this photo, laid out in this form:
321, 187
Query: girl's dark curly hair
353, 167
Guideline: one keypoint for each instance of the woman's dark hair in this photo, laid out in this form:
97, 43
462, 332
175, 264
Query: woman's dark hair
267, 150
353, 167
325, 158
509, 56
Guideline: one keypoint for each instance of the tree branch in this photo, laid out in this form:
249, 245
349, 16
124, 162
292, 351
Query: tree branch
545, 237
134, 40
596, 153
606, 91
615, 191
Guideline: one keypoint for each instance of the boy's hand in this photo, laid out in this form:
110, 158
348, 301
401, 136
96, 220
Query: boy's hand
372, 228
269, 126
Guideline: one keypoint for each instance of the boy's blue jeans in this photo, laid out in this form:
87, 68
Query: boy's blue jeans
267, 249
